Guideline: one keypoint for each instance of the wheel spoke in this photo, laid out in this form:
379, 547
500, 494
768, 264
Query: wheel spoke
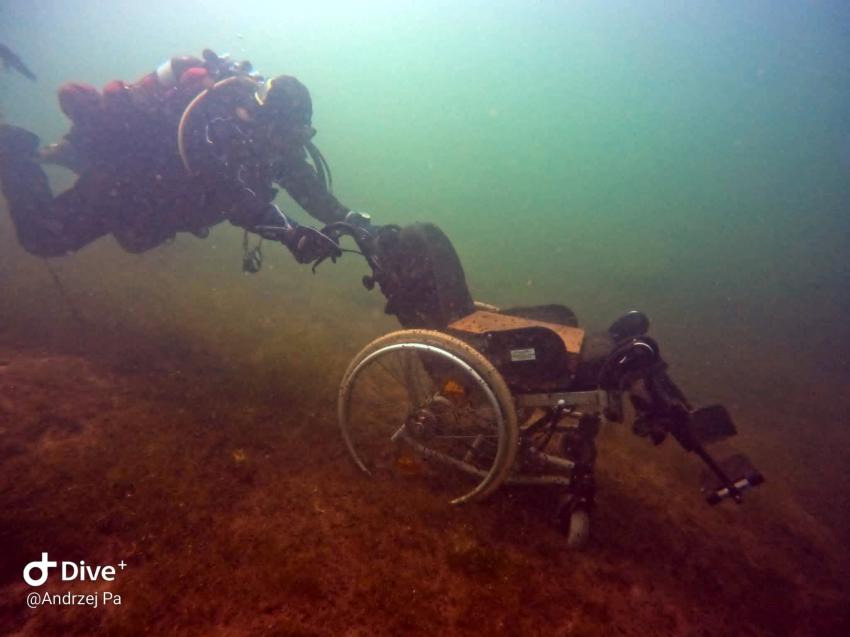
449, 414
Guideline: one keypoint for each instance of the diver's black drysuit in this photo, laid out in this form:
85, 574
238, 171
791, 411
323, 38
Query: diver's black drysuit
133, 184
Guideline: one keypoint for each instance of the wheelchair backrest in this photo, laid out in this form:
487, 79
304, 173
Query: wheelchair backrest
422, 277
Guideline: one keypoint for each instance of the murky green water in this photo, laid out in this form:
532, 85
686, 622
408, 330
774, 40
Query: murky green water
690, 161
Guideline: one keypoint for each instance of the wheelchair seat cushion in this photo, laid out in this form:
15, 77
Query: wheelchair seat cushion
532, 355
552, 313
483, 322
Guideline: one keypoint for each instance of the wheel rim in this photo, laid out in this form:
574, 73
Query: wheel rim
416, 409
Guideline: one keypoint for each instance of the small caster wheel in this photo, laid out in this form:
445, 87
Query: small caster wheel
574, 521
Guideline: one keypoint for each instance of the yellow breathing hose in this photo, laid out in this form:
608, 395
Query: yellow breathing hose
184, 118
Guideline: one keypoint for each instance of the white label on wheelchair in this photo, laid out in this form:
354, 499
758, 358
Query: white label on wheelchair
523, 355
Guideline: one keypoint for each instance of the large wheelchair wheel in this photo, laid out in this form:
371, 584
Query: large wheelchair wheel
422, 399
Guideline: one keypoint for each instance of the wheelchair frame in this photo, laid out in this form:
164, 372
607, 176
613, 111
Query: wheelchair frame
459, 387
573, 416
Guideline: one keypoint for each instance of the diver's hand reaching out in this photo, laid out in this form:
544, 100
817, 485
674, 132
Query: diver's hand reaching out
308, 245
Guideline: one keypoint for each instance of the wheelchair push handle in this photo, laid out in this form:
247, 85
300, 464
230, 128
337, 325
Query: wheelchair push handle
367, 239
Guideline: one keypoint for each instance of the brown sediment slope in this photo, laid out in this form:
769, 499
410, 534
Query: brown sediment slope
190, 431
242, 516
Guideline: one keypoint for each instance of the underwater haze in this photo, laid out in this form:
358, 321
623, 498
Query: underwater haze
688, 159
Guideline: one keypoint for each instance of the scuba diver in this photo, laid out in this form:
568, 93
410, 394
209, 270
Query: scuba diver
194, 143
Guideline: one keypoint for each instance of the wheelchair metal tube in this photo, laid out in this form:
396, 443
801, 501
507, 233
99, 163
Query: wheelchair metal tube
436, 455
595, 399
554, 461
468, 468
545, 479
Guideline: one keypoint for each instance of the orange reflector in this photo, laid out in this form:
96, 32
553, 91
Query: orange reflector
452, 389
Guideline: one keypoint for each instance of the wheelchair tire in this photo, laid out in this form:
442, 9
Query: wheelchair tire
434, 397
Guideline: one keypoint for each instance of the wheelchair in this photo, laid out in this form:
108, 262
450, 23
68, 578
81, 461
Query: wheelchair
478, 396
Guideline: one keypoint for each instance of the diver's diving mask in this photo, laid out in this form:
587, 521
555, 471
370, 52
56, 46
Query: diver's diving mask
286, 106
262, 92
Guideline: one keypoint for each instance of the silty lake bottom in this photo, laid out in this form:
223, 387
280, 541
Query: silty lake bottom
166, 410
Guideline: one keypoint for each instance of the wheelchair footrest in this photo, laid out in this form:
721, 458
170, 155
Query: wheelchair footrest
711, 424
741, 473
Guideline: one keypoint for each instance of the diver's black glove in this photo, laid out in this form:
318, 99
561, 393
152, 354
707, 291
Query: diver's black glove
308, 245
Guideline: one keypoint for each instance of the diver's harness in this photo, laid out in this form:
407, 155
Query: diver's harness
241, 73
255, 82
